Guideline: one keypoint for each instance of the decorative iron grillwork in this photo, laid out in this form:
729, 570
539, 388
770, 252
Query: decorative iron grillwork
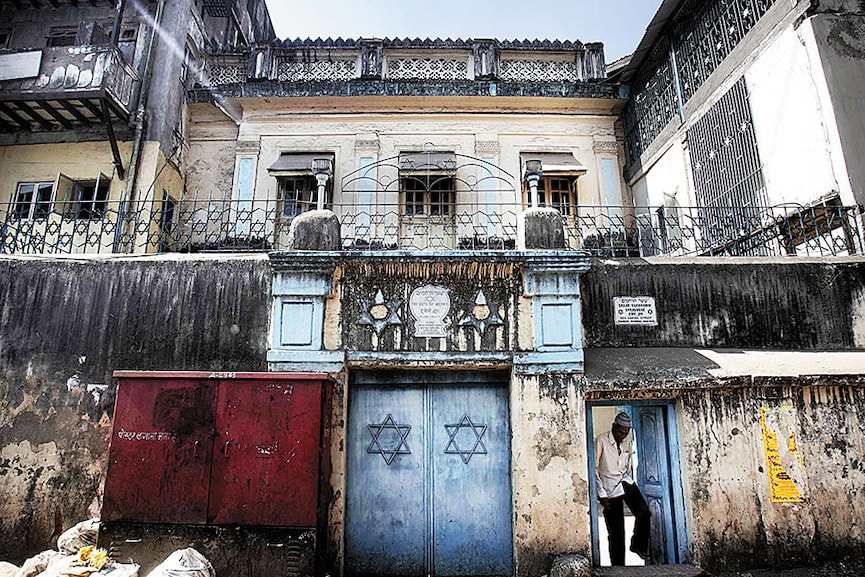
427, 69
706, 33
317, 70
216, 8
457, 202
653, 102
726, 164
211, 224
225, 71
429, 200
540, 71
824, 229
703, 34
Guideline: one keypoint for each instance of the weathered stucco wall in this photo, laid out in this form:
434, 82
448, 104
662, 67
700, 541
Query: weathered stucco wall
785, 83
741, 303
66, 325
42, 162
666, 180
735, 521
772, 467
268, 131
550, 487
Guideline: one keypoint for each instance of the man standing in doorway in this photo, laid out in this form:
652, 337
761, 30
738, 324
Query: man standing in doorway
614, 452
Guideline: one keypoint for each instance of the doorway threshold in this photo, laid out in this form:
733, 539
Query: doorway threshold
650, 571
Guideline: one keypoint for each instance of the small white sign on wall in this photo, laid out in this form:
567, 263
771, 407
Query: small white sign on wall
635, 311
20, 65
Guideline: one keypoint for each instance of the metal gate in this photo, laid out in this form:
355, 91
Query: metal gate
428, 475
231, 449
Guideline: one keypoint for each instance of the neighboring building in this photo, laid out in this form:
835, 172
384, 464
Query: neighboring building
449, 304
92, 115
744, 125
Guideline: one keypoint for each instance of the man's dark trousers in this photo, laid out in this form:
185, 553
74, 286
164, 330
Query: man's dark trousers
614, 515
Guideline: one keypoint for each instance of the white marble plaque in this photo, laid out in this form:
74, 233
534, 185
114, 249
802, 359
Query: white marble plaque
429, 305
635, 311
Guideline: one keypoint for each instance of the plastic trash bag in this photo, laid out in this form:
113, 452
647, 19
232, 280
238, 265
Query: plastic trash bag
119, 570
81, 535
8, 569
184, 563
36, 565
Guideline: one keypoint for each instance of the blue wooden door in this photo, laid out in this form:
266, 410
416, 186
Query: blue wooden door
428, 477
653, 478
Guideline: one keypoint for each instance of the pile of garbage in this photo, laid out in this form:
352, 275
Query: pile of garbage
78, 556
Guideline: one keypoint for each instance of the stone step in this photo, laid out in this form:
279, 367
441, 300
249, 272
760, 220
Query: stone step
650, 571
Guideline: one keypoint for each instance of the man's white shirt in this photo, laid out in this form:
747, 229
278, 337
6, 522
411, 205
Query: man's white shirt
613, 464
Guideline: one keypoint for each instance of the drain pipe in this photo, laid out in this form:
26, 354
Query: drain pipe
140, 129
118, 21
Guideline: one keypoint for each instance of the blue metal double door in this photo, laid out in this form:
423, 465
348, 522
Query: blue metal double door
428, 487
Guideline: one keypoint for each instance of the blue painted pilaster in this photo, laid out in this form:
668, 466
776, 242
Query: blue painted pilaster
300, 287
552, 280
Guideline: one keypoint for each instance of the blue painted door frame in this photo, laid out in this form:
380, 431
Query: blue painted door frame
658, 475
428, 475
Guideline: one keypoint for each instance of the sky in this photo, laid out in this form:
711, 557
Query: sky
619, 24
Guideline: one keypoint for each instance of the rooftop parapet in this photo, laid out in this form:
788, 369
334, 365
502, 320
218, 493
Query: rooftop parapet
380, 66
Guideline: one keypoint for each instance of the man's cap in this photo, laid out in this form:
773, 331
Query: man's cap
623, 420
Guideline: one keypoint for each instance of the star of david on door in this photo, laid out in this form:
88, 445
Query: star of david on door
389, 439
466, 439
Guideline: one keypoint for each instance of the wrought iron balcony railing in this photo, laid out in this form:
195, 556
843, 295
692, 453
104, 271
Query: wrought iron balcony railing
215, 224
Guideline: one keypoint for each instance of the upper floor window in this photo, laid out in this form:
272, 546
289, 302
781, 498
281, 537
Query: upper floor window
33, 200
126, 43
168, 214
298, 194
557, 185
428, 183
62, 36
5, 38
89, 198
558, 192
430, 195
296, 175
70, 198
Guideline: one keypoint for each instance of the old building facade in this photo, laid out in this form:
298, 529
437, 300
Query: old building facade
477, 252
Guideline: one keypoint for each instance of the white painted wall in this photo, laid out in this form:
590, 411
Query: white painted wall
840, 40
793, 122
667, 177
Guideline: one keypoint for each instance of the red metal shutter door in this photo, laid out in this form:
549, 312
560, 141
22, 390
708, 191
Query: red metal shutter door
160, 452
267, 453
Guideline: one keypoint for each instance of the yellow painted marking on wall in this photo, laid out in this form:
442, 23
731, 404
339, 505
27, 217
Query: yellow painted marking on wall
782, 489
